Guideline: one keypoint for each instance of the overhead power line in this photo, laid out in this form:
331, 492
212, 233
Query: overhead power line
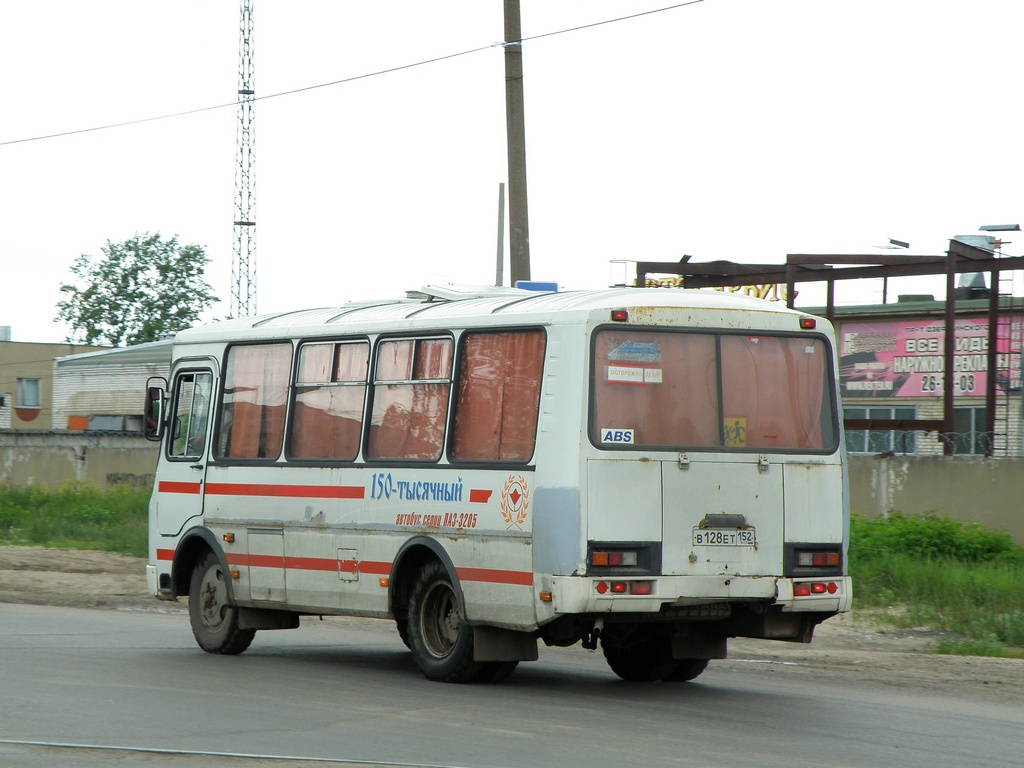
354, 78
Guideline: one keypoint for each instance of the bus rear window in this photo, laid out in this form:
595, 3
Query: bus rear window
677, 389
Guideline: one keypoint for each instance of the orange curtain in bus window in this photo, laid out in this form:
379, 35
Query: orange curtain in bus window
329, 401
660, 388
498, 396
255, 392
772, 391
408, 417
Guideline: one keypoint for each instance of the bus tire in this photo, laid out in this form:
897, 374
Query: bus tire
643, 662
496, 671
440, 639
402, 625
686, 670
213, 616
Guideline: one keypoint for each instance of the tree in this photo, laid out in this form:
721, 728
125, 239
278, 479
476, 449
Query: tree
143, 289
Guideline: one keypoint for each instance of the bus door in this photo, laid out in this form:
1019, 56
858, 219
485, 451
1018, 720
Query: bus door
723, 516
181, 474
704, 516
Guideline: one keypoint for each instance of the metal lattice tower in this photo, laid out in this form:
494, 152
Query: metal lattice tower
243, 263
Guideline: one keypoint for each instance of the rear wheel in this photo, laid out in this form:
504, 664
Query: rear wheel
213, 616
642, 662
441, 641
402, 625
686, 670
496, 671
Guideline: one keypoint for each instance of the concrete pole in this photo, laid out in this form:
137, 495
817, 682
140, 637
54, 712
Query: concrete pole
515, 128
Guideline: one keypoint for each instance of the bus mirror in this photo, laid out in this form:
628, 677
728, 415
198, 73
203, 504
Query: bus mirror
155, 410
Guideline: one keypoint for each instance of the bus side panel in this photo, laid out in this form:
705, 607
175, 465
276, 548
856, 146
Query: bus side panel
557, 537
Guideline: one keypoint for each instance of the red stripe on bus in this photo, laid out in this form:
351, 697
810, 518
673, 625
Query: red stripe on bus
485, 575
494, 576
318, 564
168, 486
478, 496
165, 554
308, 563
291, 491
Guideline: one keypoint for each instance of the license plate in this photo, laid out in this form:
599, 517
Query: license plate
724, 537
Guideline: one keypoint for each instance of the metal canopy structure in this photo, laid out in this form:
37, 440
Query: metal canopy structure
961, 258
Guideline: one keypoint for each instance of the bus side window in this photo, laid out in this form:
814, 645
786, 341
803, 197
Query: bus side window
498, 396
412, 381
190, 415
329, 395
255, 394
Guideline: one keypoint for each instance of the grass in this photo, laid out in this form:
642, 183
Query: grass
959, 579
76, 517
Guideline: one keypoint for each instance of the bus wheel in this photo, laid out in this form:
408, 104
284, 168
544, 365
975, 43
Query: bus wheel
686, 670
441, 642
642, 662
214, 619
496, 671
402, 625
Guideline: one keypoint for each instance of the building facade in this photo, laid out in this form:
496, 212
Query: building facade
26, 383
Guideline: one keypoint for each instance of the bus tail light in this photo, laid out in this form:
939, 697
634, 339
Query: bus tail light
620, 316
808, 588
625, 587
813, 560
817, 559
808, 323
617, 559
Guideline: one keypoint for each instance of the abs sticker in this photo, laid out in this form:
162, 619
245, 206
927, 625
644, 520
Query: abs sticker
616, 436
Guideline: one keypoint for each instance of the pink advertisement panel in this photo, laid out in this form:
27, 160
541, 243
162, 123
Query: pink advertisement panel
905, 358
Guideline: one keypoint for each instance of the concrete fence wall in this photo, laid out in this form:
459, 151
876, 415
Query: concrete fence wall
986, 491
52, 459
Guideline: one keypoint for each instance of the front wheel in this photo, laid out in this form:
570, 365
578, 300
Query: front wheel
440, 639
213, 616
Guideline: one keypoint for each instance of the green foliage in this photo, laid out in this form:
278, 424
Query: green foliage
76, 517
955, 577
141, 290
928, 536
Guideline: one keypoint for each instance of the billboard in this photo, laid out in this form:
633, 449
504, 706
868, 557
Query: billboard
906, 358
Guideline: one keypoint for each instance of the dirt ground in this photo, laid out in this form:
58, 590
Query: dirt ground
848, 648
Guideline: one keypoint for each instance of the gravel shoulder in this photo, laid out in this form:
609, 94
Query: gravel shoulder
845, 648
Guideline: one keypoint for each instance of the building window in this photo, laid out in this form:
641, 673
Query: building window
27, 394
880, 440
969, 431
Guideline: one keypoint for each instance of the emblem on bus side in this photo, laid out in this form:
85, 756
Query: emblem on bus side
514, 501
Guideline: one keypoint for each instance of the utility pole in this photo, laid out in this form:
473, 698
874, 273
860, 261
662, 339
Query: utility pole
515, 128
243, 262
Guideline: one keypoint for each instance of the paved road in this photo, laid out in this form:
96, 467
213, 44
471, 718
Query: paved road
346, 692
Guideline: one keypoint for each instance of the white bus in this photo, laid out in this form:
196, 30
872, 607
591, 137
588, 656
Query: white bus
649, 470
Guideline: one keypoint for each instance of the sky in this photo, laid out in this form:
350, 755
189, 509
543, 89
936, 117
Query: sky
722, 129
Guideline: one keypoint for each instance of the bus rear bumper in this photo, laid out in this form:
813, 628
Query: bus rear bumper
588, 594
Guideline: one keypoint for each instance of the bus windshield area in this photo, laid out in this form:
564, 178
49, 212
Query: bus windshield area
716, 391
